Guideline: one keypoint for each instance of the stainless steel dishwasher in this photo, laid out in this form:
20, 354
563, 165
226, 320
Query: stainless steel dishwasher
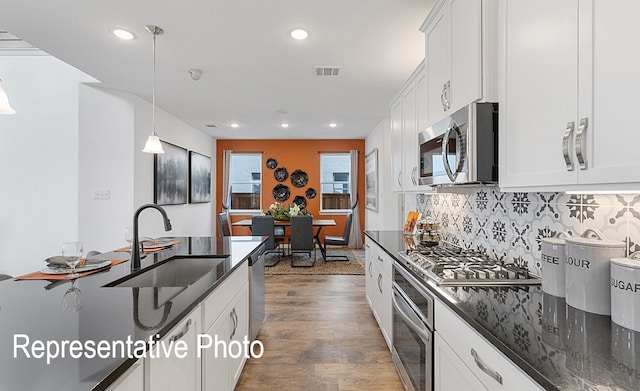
256, 291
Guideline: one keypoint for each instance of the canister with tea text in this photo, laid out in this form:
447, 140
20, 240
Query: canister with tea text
625, 291
587, 271
553, 260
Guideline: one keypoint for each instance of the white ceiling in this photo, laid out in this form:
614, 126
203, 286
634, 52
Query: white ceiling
253, 72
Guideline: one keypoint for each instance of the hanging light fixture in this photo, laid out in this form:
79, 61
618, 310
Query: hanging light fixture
5, 107
153, 142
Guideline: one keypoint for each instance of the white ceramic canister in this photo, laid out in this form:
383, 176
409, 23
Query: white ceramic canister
625, 291
587, 271
553, 260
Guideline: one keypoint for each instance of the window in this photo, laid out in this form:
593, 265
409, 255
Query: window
245, 181
335, 185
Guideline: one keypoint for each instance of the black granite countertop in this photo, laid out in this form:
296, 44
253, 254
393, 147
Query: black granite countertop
558, 346
34, 308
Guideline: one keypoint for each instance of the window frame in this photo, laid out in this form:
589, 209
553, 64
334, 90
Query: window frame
334, 183
251, 183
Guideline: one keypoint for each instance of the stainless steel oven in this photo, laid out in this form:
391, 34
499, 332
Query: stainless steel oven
412, 331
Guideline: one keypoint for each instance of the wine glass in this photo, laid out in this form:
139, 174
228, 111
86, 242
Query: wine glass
128, 235
72, 299
71, 252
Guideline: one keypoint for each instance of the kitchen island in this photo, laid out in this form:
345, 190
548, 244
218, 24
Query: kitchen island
34, 310
556, 345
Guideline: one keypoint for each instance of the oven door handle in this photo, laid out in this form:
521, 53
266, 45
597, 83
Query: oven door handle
425, 335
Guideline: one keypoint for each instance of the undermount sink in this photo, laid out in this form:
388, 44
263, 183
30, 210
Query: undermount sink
174, 272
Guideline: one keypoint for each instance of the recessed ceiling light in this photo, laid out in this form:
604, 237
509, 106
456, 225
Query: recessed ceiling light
299, 34
123, 34
235, 125
284, 125
333, 125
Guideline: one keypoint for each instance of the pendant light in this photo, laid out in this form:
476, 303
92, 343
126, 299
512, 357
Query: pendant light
153, 142
5, 107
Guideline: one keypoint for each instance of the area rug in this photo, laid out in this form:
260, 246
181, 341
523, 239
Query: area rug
354, 266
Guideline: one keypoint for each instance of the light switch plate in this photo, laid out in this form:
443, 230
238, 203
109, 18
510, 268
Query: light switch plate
103, 194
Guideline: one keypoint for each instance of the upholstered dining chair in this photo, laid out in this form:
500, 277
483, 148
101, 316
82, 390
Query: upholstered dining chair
224, 225
264, 226
339, 241
302, 239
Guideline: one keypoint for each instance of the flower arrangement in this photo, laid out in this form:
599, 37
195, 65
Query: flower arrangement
279, 212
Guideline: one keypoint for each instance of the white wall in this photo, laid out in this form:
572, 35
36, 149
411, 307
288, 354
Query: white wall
188, 219
115, 126
106, 153
68, 140
38, 161
386, 218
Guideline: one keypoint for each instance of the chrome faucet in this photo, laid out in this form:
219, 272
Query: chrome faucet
135, 251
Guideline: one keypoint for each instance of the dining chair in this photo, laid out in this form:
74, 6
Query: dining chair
302, 238
264, 226
339, 241
224, 225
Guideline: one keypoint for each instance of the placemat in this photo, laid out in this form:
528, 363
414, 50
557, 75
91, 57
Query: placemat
42, 276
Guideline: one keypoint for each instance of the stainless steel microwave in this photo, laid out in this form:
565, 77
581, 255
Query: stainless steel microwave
462, 148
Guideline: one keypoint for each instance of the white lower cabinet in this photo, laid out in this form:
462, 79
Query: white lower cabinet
462, 353
226, 323
450, 373
171, 372
378, 287
131, 380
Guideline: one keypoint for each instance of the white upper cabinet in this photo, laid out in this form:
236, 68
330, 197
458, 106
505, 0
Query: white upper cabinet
567, 89
396, 144
460, 52
408, 117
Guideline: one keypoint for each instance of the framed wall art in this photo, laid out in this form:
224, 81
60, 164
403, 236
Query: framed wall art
199, 178
170, 179
371, 180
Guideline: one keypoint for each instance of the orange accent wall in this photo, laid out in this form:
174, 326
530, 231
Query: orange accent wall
293, 154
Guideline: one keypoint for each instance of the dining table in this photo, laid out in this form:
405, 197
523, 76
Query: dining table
318, 223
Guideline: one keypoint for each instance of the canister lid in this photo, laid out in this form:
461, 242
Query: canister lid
596, 242
594, 238
631, 262
554, 241
557, 240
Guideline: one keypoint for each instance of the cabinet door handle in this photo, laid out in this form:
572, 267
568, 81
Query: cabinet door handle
566, 149
370, 266
380, 259
234, 319
379, 284
444, 86
413, 175
182, 332
399, 176
495, 375
446, 95
580, 140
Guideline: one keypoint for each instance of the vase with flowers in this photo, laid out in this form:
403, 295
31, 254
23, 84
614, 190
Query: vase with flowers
280, 212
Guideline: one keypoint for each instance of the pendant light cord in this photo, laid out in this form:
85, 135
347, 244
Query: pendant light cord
153, 94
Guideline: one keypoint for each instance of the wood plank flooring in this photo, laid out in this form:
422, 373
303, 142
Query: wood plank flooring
319, 334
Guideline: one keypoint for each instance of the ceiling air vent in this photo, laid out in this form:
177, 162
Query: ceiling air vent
326, 71
210, 125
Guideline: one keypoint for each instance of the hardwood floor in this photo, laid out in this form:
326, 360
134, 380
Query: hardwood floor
319, 334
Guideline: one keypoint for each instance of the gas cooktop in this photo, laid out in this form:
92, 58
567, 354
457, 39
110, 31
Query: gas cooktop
449, 265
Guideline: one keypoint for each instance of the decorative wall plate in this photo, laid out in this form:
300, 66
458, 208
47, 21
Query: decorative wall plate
299, 178
281, 174
300, 201
271, 163
310, 193
281, 192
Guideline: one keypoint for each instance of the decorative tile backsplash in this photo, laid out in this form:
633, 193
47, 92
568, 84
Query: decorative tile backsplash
510, 226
